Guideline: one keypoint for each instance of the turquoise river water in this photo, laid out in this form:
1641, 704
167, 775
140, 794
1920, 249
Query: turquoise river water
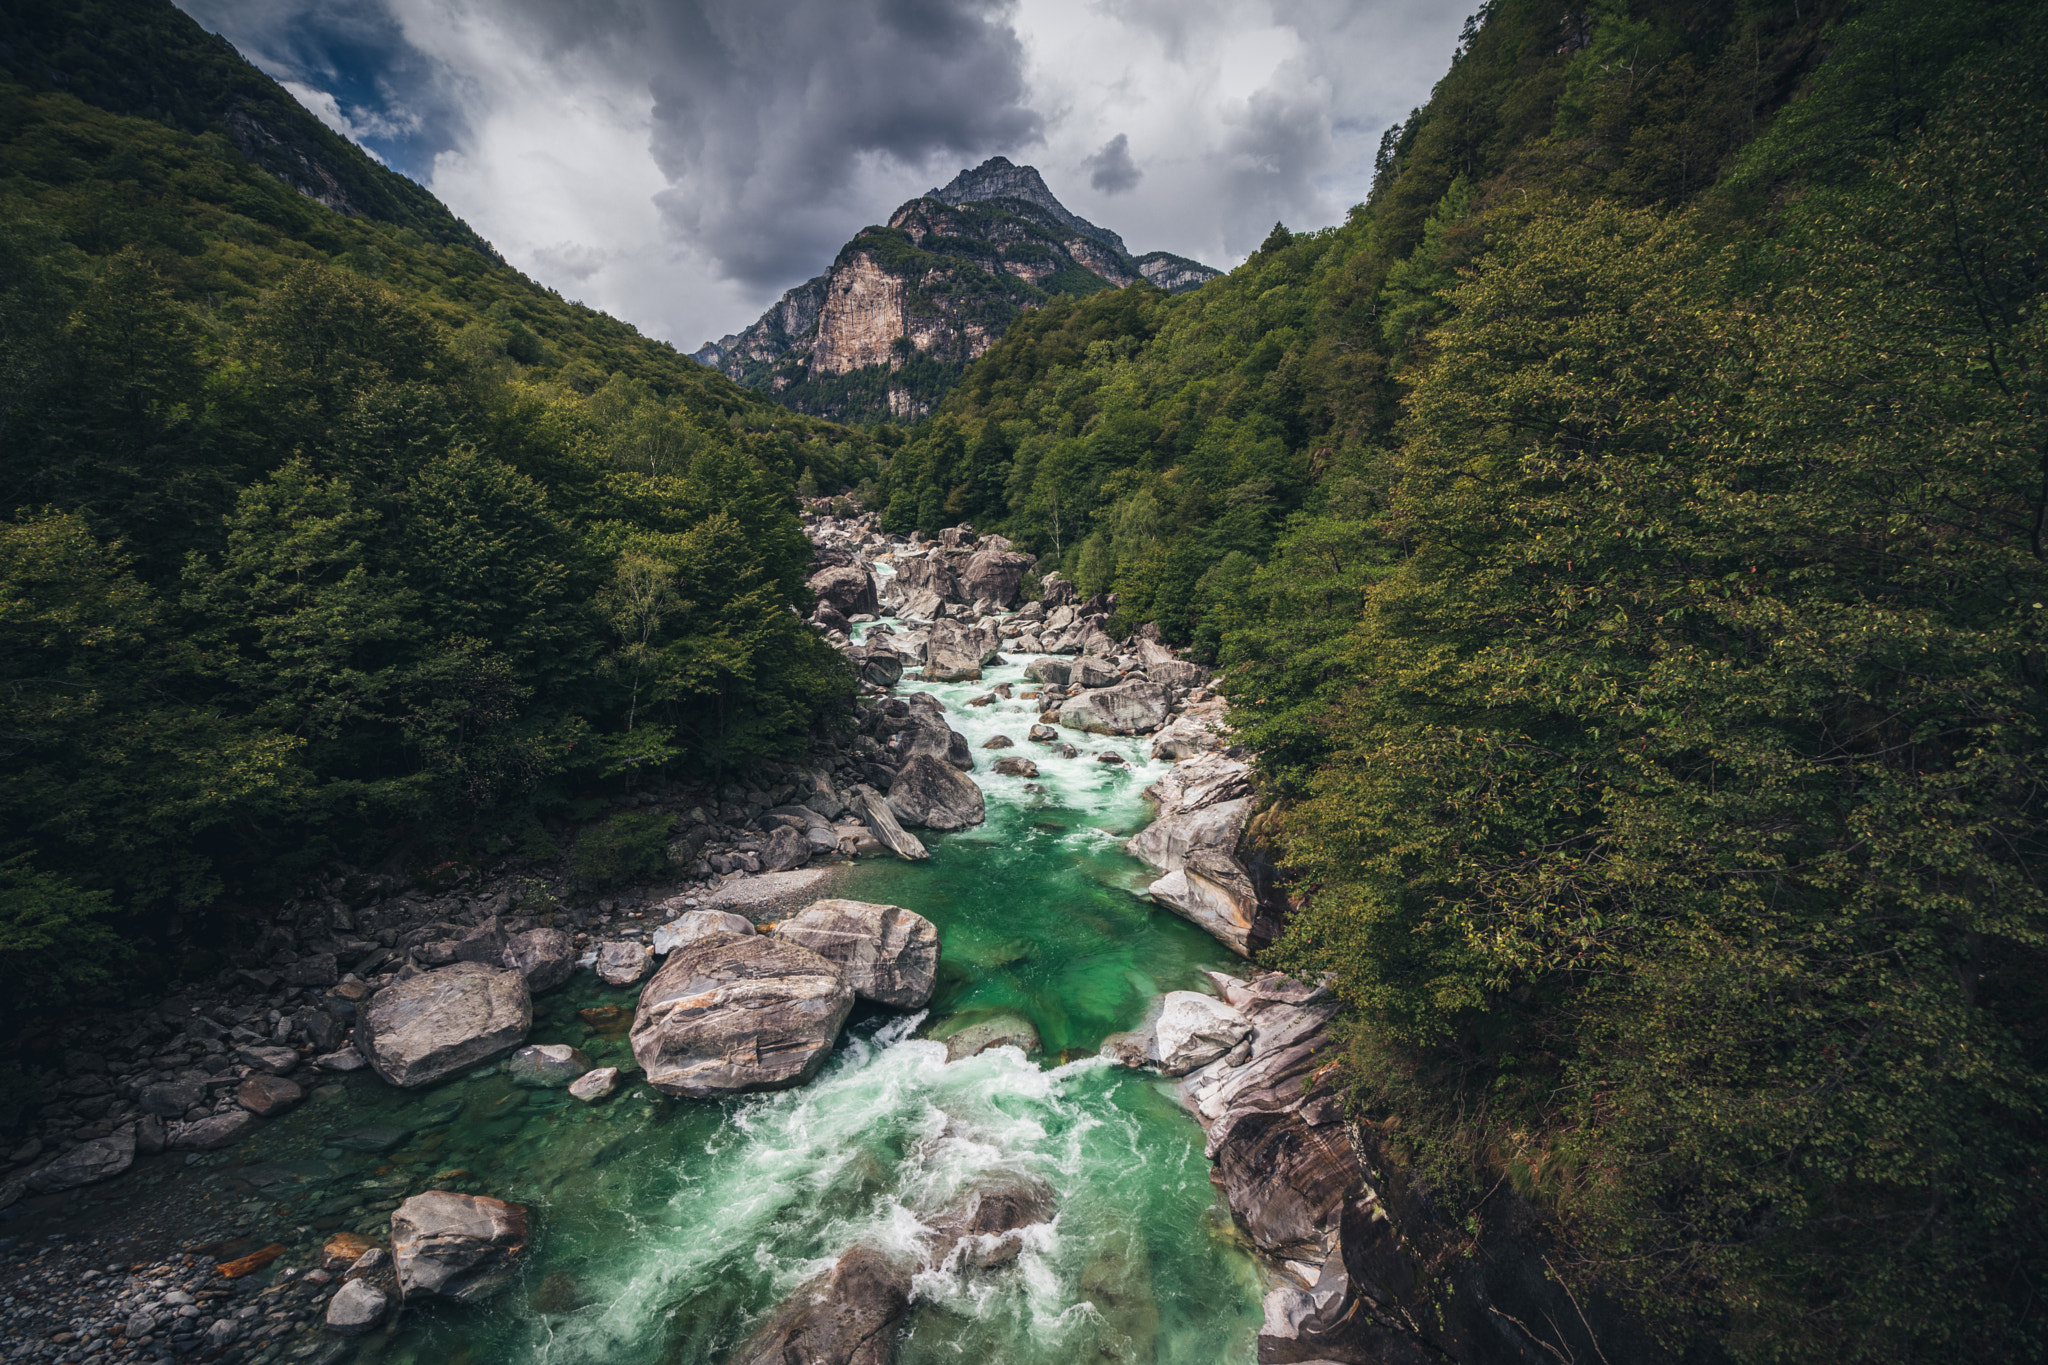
667, 1229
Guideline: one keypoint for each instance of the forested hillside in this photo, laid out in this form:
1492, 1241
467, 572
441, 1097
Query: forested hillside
327, 535
1623, 539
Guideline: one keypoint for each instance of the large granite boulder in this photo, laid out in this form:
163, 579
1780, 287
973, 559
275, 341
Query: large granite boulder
889, 955
692, 925
545, 957
849, 588
1198, 729
929, 794
923, 730
784, 849
993, 572
1193, 1030
847, 1316
1167, 841
1089, 671
981, 1229
1131, 708
733, 1012
1049, 670
1212, 890
423, 1030
355, 1308
456, 1246
622, 962
876, 664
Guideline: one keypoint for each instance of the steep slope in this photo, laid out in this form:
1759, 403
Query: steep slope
148, 59
890, 326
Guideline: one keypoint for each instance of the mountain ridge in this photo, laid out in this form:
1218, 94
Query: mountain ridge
905, 306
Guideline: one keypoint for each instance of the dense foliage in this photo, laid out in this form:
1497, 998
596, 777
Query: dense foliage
324, 539
1623, 541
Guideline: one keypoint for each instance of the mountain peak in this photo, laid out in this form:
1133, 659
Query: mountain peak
1000, 178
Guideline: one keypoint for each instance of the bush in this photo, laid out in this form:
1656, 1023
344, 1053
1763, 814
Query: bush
624, 848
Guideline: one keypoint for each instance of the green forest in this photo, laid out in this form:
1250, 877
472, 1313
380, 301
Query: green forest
329, 535
1623, 542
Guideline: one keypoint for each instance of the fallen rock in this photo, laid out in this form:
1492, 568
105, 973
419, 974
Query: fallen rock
593, 1086
768, 895
170, 1099
622, 963
545, 957
356, 1307
1193, 1030
1016, 767
210, 1133
889, 955
456, 1246
1000, 742
692, 925
887, 831
98, 1159
1130, 708
268, 1096
929, 794
549, 1066
419, 1031
733, 1012
277, 1061
848, 1316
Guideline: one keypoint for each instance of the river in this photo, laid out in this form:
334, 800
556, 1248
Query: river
666, 1229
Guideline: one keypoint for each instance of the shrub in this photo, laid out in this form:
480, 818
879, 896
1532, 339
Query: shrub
625, 848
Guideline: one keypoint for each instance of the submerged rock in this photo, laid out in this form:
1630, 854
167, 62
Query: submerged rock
930, 794
733, 1012
981, 1230
456, 1246
889, 955
440, 1022
1002, 1030
848, 1316
549, 1066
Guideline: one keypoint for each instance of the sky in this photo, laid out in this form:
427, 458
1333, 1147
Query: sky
681, 163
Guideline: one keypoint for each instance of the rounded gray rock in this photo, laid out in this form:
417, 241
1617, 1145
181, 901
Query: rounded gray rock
545, 957
440, 1022
734, 1012
356, 1307
456, 1246
889, 955
549, 1066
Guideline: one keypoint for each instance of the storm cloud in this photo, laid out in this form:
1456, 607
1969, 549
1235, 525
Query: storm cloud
679, 163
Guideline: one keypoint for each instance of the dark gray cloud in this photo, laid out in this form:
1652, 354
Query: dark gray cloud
1111, 170
769, 118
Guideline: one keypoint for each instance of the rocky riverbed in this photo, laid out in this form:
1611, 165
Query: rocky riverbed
859, 1073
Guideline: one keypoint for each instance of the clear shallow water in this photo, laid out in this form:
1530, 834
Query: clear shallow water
667, 1229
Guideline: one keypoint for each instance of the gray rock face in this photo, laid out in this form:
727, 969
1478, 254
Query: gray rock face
925, 731
355, 1308
733, 1012
848, 1316
550, 1066
1131, 708
1053, 671
993, 572
622, 963
1196, 730
438, 1023
931, 795
208, 1134
99, 1159
1092, 672
545, 957
849, 588
889, 955
887, 830
456, 1246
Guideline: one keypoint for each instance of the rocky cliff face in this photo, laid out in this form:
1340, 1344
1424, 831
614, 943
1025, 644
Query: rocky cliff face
888, 329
